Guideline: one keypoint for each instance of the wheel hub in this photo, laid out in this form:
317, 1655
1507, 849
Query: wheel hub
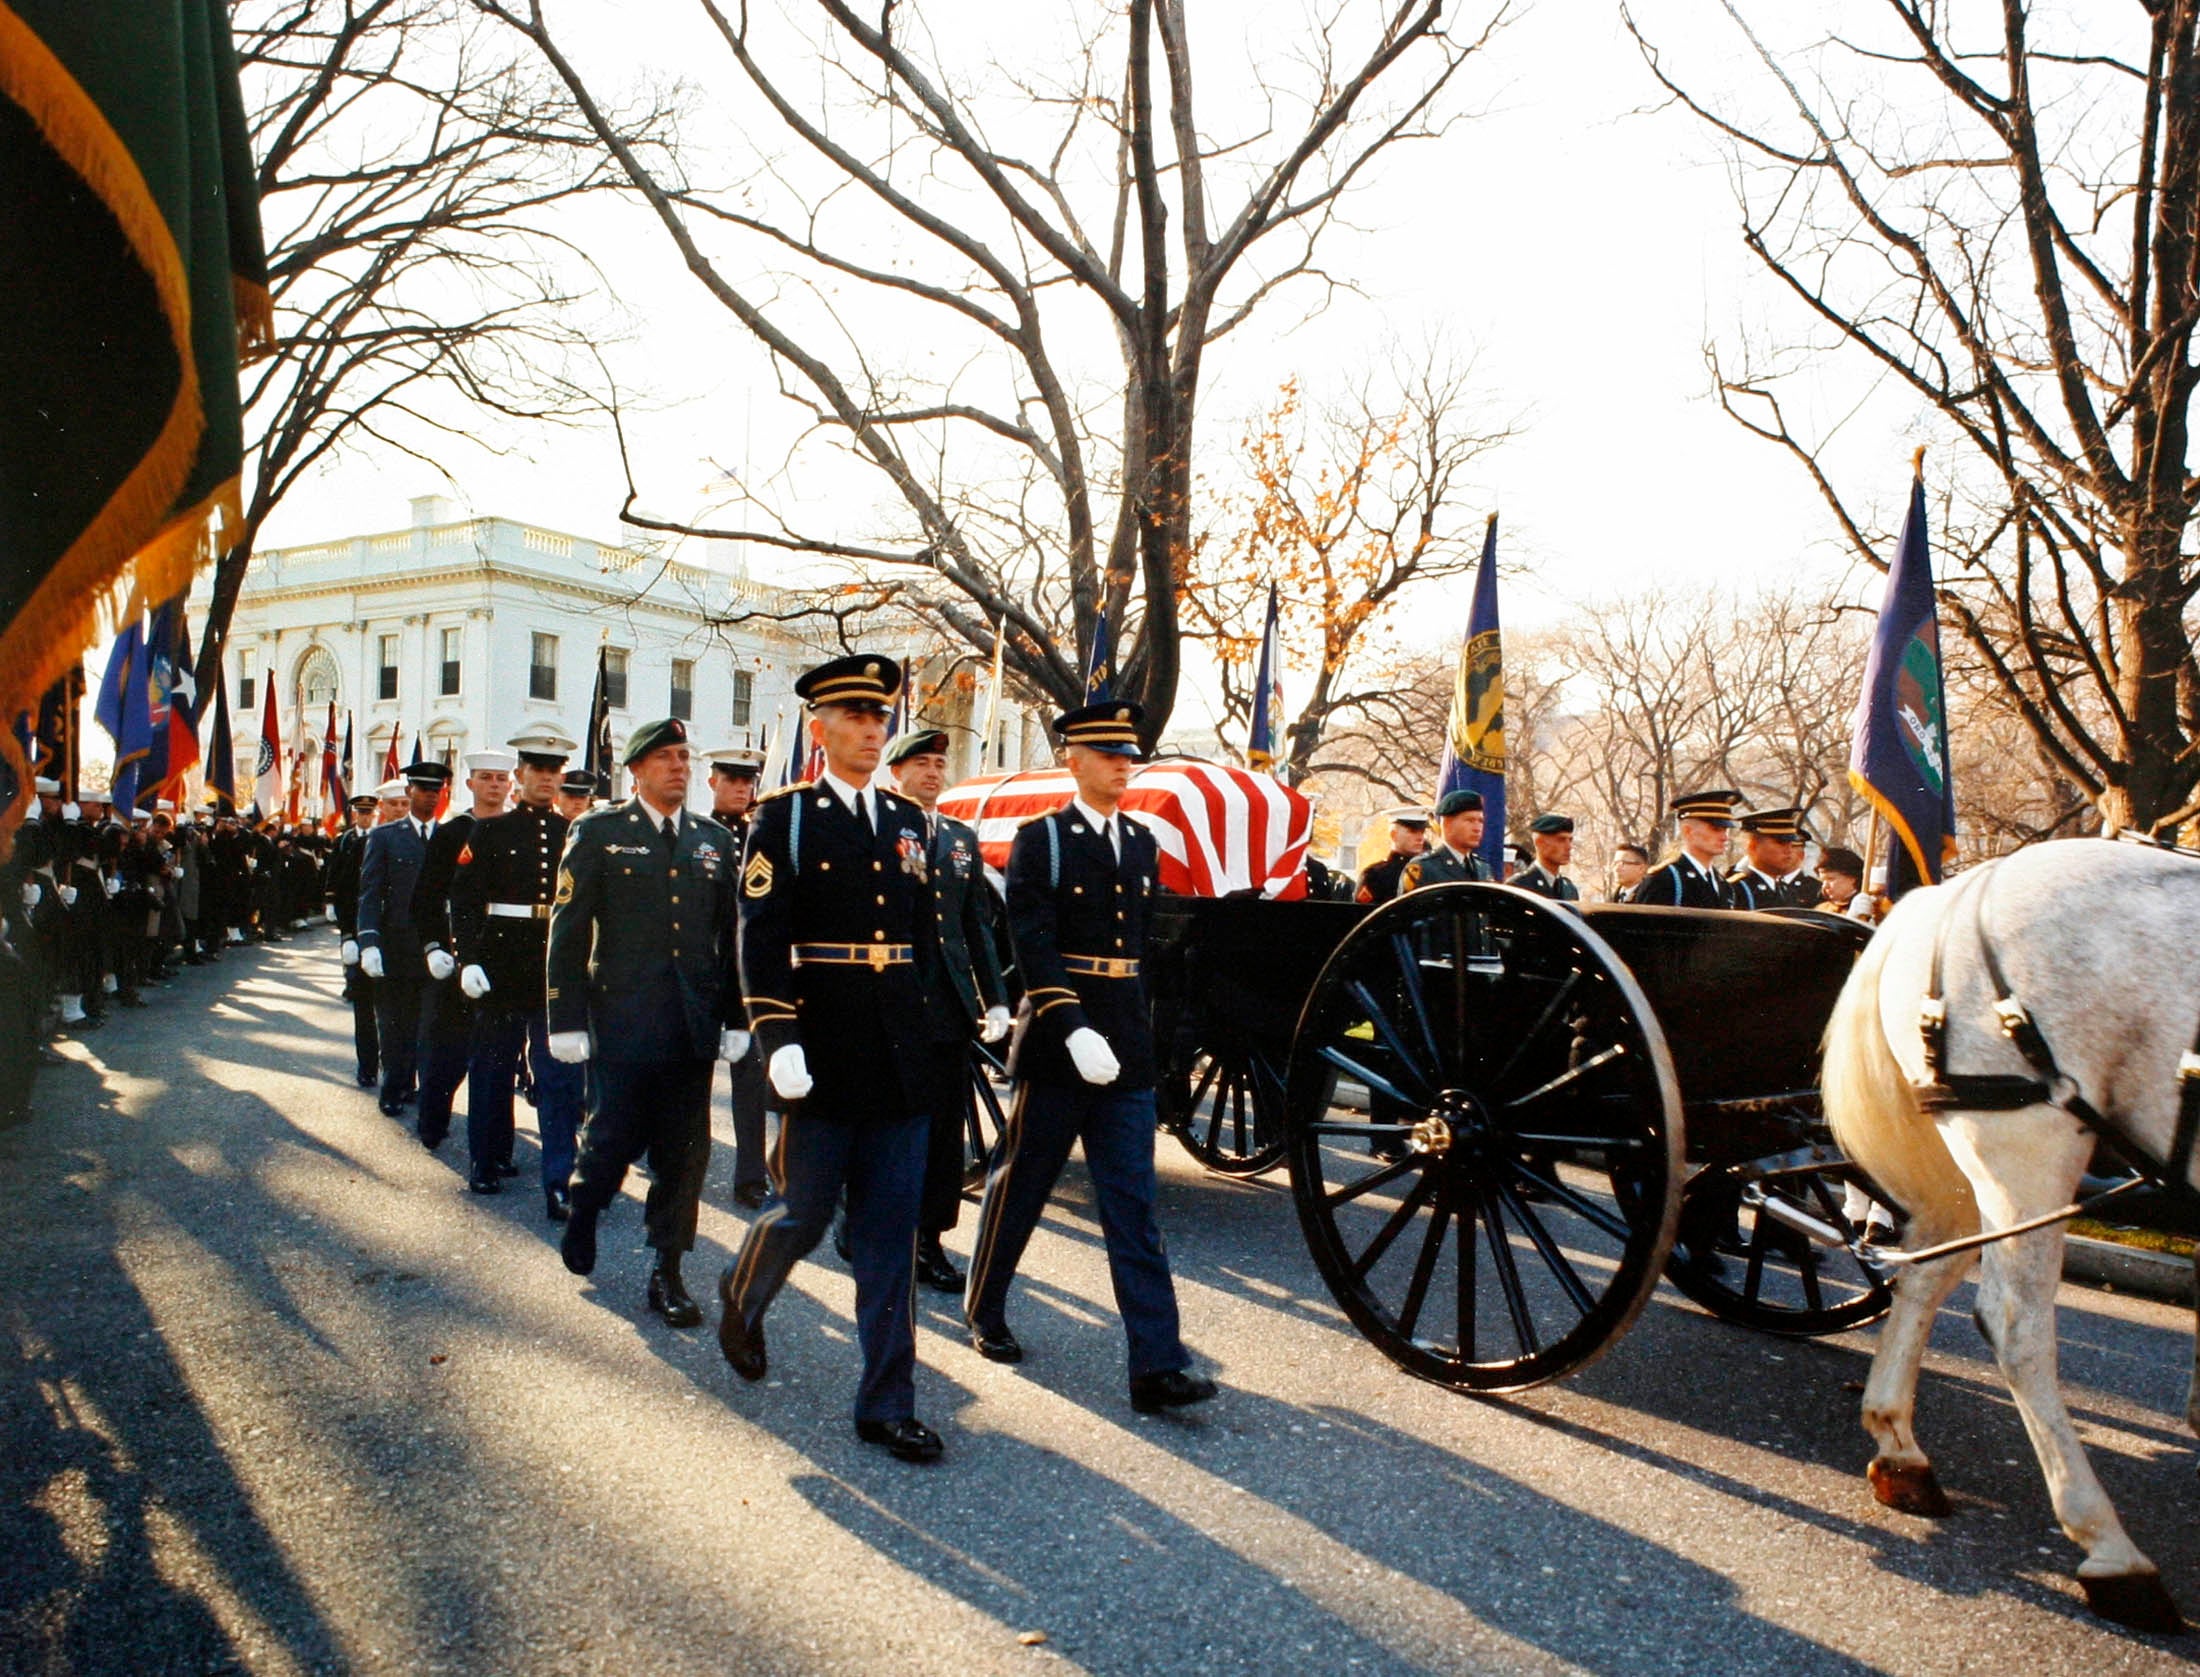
1432, 1135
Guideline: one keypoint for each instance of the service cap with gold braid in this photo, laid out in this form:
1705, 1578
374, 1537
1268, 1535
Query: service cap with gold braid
1110, 726
1715, 806
863, 680
1777, 823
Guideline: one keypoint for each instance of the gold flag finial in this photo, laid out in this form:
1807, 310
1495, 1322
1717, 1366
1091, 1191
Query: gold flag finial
1917, 462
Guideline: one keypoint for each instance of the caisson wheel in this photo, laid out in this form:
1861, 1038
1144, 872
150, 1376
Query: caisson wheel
1226, 1106
1764, 1243
1499, 1208
983, 1118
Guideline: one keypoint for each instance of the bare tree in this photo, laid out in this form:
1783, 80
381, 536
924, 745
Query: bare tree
1999, 214
1074, 243
1353, 515
409, 164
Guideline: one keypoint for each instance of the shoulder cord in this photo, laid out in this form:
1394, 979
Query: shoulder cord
794, 833
1054, 855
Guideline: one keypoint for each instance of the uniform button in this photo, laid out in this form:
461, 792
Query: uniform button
824, 867
879, 936
675, 873
882, 902
1118, 943
676, 899
676, 927
876, 866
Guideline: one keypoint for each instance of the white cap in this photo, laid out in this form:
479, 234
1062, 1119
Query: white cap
390, 789
46, 786
166, 806
491, 761
545, 742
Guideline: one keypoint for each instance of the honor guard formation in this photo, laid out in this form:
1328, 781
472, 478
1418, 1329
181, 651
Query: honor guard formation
837, 943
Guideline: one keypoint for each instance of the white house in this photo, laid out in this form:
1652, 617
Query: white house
459, 632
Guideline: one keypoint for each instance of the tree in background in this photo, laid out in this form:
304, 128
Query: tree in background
1996, 211
1045, 252
411, 164
1354, 515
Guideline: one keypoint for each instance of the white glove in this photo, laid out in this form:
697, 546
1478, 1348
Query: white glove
350, 952
32, 894
732, 1044
569, 1046
252, 864
110, 886
474, 982
441, 964
994, 1025
790, 1072
370, 962
329, 914
72, 812
67, 894
1090, 1054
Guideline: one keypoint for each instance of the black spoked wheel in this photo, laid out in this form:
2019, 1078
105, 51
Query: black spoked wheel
983, 1117
1503, 1206
1226, 1107
1765, 1244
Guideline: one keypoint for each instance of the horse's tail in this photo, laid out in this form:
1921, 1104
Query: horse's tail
1875, 1112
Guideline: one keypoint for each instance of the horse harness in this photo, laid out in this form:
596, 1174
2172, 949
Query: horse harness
2002, 1092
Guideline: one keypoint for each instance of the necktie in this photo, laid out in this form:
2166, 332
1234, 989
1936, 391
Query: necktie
671, 830
863, 817
1115, 845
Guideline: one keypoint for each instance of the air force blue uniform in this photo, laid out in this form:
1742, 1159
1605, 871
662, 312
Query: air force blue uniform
1077, 916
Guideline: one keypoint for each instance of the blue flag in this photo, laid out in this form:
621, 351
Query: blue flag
1099, 664
1474, 738
1899, 761
1260, 747
221, 756
125, 711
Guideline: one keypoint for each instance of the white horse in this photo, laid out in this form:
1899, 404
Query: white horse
2099, 943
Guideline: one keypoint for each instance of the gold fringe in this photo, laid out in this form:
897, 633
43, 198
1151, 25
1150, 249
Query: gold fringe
255, 318
61, 618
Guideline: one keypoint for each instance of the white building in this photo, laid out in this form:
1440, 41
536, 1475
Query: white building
462, 632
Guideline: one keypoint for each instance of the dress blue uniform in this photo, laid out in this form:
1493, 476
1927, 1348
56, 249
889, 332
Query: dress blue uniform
500, 922
836, 897
1683, 882
1078, 905
389, 869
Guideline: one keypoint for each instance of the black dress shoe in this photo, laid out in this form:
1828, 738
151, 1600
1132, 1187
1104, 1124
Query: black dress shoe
907, 1441
557, 1204
840, 1239
1170, 1389
368, 1080
505, 1167
668, 1297
430, 1139
933, 1269
578, 1244
392, 1109
1000, 1346
752, 1194
742, 1344
484, 1182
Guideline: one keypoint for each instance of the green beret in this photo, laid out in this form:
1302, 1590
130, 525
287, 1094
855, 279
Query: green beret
1548, 824
1457, 803
651, 735
916, 743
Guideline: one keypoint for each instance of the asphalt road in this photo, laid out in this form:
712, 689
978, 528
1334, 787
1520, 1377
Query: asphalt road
282, 1397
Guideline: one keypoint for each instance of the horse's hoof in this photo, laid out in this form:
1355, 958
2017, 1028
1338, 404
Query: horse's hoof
2136, 1599
1909, 1488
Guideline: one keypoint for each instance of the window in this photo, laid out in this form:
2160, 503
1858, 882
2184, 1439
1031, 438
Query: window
248, 664
385, 677
683, 689
744, 697
451, 640
614, 677
542, 667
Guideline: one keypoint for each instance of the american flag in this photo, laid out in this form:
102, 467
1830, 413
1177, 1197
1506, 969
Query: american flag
1221, 829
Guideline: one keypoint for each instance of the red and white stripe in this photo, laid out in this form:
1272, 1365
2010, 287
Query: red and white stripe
1221, 829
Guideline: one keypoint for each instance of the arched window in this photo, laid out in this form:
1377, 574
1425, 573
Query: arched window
317, 685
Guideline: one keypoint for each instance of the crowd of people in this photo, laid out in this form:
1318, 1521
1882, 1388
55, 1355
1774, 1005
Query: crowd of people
101, 906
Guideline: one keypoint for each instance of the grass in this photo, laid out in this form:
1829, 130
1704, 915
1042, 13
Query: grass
2147, 1240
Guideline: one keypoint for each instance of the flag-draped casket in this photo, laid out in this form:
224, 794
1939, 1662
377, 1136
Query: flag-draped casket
1221, 829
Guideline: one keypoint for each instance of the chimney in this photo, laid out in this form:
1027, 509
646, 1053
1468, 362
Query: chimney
433, 509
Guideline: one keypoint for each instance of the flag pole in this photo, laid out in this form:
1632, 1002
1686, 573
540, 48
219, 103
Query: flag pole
992, 701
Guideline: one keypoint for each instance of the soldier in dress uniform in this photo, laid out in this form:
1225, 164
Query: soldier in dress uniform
836, 897
1080, 892
500, 931
389, 939
576, 792
1408, 838
343, 895
1691, 879
734, 773
963, 989
1459, 855
1553, 839
1772, 850
447, 1015
640, 931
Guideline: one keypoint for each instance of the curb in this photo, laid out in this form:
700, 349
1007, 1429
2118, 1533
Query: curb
2128, 1269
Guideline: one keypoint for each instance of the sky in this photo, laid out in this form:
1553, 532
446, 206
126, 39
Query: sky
1580, 244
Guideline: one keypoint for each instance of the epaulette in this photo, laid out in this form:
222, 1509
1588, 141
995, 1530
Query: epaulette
1043, 815
787, 790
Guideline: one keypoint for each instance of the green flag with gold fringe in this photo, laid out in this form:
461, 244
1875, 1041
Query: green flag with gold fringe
131, 267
